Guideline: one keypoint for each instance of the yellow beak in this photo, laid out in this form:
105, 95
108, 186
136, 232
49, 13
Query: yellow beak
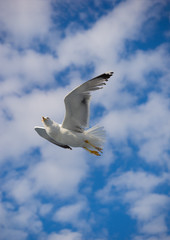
43, 119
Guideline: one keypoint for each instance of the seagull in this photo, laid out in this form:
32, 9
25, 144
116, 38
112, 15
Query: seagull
72, 133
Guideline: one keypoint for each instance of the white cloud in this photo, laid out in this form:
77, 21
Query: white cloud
158, 237
69, 213
45, 209
59, 176
138, 191
137, 183
155, 226
137, 65
13, 234
146, 124
104, 43
17, 222
24, 20
25, 69
20, 189
106, 159
25, 216
74, 215
149, 206
65, 235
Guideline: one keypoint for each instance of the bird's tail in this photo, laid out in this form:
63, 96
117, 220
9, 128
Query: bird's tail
96, 136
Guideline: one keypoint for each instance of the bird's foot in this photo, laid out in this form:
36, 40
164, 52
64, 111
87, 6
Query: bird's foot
97, 148
95, 153
92, 151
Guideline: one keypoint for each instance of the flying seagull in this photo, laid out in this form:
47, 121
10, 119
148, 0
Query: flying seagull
72, 133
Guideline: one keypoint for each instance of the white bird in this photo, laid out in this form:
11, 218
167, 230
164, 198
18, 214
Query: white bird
72, 133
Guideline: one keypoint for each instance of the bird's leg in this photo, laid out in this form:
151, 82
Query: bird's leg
92, 152
97, 148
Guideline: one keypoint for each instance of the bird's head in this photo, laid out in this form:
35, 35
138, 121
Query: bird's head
47, 121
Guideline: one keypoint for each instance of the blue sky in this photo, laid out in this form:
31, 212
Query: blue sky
46, 49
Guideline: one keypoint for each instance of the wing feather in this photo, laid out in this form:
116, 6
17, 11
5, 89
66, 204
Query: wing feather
42, 132
77, 103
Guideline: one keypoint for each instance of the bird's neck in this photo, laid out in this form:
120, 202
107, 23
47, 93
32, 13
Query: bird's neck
54, 128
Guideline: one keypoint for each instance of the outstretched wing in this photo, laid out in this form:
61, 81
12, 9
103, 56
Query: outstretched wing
77, 103
42, 132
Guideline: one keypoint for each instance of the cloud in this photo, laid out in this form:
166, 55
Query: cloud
63, 174
21, 189
149, 206
146, 124
51, 177
138, 191
21, 70
23, 20
16, 223
65, 235
136, 182
156, 226
58, 177
72, 214
45, 209
103, 44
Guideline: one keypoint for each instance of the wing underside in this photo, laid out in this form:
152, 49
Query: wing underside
42, 132
77, 103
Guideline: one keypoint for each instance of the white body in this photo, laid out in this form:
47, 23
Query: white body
95, 135
65, 136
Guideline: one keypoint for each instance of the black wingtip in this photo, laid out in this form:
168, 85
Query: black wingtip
107, 75
68, 147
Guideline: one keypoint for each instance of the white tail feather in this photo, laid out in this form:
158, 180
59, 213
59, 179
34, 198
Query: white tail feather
96, 135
